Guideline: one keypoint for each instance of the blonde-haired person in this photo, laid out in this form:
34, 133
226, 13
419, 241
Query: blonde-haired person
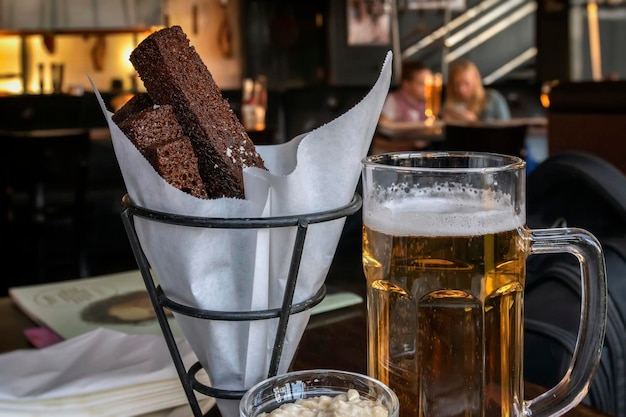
466, 98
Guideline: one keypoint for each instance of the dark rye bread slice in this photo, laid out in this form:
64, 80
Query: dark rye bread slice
133, 106
178, 165
173, 73
156, 133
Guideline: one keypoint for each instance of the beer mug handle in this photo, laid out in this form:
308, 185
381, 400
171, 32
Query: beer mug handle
573, 387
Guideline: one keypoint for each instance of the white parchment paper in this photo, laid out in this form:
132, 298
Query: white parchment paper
242, 270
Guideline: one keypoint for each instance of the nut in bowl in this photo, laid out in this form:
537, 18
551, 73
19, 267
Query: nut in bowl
320, 392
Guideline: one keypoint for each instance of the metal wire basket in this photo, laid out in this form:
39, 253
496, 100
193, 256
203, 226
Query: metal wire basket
160, 301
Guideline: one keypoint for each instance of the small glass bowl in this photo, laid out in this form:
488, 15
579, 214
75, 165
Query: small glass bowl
273, 392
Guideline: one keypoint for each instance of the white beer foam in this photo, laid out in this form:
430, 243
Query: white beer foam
429, 213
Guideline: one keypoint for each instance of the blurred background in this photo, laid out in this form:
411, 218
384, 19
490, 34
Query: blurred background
314, 58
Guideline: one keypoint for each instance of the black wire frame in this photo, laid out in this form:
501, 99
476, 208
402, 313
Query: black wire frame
160, 301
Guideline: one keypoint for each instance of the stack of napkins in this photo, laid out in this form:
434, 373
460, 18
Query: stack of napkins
101, 373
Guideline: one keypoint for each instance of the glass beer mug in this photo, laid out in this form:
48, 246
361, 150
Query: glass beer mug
432, 95
444, 252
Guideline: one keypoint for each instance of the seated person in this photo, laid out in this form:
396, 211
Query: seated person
467, 100
407, 103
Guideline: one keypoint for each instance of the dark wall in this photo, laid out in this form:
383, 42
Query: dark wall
302, 43
50, 111
286, 41
350, 65
552, 37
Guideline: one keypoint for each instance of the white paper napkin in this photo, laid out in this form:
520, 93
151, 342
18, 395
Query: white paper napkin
100, 373
242, 270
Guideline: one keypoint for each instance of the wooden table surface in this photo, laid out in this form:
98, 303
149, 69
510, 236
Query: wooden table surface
333, 340
342, 345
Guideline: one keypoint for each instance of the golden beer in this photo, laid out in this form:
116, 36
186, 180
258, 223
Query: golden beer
432, 95
446, 295
444, 252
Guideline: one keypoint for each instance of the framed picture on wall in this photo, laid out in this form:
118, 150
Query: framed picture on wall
368, 22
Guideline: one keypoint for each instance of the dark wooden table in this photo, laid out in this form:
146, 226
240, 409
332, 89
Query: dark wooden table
342, 345
333, 340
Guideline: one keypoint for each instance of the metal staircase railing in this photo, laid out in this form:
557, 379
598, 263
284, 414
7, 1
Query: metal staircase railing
473, 28
448, 27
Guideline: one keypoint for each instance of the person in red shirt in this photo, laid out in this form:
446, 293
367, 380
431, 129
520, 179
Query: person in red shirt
408, 103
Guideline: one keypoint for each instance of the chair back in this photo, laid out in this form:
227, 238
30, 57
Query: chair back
589, 116
45, 198
506, 139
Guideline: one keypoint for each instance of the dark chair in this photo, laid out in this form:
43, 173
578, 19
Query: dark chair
506, 139
45, 167
589, 116
45, 199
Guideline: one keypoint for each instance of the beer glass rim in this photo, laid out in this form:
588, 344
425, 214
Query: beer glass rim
491, 162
